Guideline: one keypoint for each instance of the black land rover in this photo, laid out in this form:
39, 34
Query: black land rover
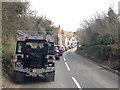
33, 60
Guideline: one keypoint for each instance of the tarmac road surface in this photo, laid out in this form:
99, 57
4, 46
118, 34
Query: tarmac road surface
75, 71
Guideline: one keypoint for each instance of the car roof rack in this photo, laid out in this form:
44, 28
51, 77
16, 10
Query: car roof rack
21, 36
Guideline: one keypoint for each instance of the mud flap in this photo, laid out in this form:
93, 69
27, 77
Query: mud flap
19, 77
50, 77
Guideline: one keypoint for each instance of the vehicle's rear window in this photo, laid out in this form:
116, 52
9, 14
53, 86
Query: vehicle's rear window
34, 45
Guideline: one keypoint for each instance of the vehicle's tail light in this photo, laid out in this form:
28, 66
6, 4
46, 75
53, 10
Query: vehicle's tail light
14, 59
53, 60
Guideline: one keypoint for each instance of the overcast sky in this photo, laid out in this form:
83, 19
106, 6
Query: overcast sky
69, 13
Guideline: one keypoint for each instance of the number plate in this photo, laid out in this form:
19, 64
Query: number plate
34, 70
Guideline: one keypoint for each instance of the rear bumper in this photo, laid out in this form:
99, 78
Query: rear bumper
35, 72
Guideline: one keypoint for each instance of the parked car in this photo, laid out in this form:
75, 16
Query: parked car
63, 49
66, 48
70, 47
59, 50
57, 56
33, 59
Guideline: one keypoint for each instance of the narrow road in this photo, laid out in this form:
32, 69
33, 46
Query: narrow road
75, 71
88, 74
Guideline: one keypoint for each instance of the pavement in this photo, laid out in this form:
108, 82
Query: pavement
75, 71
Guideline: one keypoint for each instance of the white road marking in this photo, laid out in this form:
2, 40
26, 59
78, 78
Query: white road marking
64, 59
77, 84
67, 66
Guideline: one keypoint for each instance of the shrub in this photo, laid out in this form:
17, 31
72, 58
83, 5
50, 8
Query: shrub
108, 39
7, 53
97, 52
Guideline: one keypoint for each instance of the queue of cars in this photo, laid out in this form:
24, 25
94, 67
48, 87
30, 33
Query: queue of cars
35, 57
60, 49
